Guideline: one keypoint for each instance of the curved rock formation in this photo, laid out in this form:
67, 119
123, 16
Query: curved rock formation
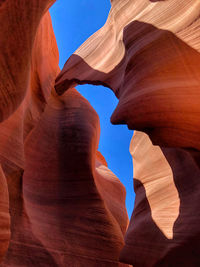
19, 21
13, 133
78, 199
66, 207
44, 68
76, 211
148, 54
153, 171
164, 230
4, 216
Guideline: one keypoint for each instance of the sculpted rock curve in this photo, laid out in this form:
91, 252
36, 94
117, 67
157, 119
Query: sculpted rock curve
13, 133
19, 21
76, 210
163, 230
148, 54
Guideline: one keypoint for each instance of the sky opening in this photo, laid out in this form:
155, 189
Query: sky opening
73, 23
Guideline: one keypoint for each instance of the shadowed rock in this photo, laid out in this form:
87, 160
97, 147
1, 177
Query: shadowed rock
23, 248
148, 53
19, 21
152, 63
4, 216
79, 218
77, 211
67, 208
167, 187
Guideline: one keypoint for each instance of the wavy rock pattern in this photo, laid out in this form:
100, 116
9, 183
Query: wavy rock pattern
13, 133
164, 205
148, 54
4, 216
44, 68
67, 208
65, 202
155, 173
19, 21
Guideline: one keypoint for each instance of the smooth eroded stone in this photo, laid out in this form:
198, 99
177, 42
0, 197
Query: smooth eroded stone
148, 54
164, 227
19, 20
76, 210
24, 248
4, 216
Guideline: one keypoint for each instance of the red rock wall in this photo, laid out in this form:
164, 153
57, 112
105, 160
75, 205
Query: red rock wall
163, 230
60, 205
65, 207
13, 133
148, 53
19, 21
61, 185
4, 216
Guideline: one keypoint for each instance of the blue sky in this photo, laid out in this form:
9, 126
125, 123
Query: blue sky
73, 22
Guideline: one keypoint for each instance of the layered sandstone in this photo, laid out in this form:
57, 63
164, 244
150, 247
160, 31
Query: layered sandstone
4, 215
148, 54
76, 210
19, 21
13, 133
60, 205
163, 230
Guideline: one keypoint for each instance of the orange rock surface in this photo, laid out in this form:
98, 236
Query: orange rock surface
4, 216
13, 134
76, 210
148, 53
60, 205
163, 230
19, 21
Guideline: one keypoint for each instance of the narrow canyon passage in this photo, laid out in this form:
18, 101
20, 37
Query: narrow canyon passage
100, 99
114, 139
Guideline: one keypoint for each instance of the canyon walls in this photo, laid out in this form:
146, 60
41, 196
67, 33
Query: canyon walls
164, 230
60, 205
148, 53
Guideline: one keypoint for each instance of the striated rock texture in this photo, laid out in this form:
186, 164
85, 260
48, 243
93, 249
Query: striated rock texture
164, 229
13, 133
19, 21
60, 205
44, 68
4, 216
76, 210
153, 171
148, 53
